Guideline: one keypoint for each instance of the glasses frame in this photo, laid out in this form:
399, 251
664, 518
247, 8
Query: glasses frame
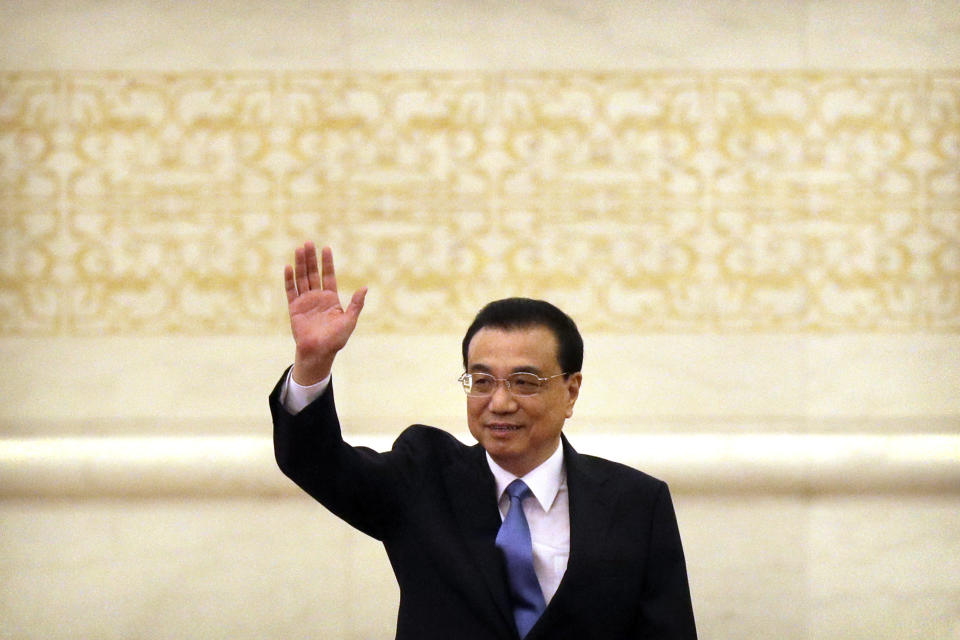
506, 383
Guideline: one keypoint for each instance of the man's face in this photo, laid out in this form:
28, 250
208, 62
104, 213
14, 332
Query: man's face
519, 433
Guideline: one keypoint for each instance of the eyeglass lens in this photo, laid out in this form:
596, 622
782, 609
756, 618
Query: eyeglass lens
484, 384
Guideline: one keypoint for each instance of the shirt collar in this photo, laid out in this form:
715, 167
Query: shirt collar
544, 481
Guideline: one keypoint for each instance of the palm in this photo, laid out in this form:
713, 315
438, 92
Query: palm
318, 321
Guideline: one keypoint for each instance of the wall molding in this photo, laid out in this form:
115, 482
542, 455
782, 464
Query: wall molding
224, 466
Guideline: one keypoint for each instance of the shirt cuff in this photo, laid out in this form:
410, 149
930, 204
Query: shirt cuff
294, 397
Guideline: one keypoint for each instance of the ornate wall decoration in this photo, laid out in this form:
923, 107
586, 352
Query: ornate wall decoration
151, 203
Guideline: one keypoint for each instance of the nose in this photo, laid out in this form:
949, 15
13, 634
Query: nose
502, 401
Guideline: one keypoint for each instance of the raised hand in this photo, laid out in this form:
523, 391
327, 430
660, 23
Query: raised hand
320, 326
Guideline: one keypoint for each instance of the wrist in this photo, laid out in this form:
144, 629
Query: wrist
308, 371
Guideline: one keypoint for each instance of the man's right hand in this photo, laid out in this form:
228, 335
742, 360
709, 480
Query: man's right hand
320, 326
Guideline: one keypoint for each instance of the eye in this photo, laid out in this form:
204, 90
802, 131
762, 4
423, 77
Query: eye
481, 383
525, 383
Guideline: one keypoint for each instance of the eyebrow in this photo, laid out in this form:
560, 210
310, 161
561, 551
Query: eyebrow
482, 368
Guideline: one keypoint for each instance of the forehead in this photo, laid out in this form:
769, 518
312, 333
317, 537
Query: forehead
529, 348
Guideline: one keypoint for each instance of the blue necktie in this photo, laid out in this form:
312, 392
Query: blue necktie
513, 540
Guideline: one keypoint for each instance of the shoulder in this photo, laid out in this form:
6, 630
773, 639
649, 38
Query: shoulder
426, 433
426, 456
617, 474
430, 442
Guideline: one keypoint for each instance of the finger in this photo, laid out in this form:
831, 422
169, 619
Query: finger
313, 271
300, 270
329, 275
289, 284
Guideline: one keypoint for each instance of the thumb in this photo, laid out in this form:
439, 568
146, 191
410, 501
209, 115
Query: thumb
356, 304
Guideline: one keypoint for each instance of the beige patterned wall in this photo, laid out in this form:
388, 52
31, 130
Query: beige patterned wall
751, 208
164, 203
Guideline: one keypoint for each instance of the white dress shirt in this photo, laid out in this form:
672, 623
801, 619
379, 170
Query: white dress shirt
547, 511
548, 516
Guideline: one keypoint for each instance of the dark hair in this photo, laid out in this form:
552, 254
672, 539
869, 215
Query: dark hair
522, 313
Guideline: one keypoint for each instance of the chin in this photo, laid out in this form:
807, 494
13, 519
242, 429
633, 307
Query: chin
500, 450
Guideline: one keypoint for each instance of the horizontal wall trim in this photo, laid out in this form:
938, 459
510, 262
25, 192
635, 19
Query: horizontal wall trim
90, 467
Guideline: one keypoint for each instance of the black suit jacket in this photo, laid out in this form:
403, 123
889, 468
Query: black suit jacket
431, 500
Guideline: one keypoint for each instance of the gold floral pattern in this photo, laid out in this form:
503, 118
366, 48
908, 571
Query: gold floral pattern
167, 203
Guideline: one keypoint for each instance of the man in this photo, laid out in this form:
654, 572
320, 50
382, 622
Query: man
517, 536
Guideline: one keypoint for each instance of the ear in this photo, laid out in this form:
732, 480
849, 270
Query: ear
573, 391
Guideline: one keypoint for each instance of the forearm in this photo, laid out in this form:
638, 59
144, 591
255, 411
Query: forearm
355, 483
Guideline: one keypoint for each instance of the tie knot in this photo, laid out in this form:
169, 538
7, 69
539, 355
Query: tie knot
518, 489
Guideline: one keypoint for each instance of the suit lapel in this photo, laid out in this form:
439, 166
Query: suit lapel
591, 513
472, 492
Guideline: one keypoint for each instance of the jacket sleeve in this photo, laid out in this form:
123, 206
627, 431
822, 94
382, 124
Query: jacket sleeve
357, 484
666, 611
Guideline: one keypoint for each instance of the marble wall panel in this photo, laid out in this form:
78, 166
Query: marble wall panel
456, 35
132, 34
740, 551
241, 568
884, 34
884, 567
781, 567
883, 380
632, 384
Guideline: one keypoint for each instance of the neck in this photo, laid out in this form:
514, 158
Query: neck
521, 467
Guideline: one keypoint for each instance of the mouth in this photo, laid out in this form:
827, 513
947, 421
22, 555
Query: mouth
503, 427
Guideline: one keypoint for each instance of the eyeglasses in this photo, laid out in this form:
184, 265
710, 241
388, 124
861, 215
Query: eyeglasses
480, 385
